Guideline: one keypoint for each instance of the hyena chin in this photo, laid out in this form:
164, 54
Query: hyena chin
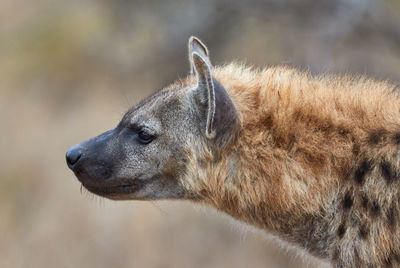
312, 160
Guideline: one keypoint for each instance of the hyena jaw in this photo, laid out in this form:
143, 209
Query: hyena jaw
312, 160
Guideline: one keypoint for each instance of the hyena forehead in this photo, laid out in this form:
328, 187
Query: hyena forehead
159, 109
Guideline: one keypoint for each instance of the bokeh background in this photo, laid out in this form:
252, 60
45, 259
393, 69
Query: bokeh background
70, 69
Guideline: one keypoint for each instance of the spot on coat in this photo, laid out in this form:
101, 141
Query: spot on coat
376, 136
268, 121
364, 201
343, 131
375, 209
396, 138
387, 171
347, 201
341, 230
363, 231
356, 149
362, 170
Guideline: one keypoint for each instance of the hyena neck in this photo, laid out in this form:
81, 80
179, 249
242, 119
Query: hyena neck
270, 192
286, 201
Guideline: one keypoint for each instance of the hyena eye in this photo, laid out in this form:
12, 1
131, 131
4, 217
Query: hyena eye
144, 137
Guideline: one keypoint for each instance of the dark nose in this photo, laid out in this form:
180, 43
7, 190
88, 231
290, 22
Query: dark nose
73, 155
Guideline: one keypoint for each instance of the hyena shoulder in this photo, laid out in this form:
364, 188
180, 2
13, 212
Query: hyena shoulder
368, 227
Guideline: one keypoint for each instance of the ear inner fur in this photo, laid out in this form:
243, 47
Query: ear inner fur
225, 118
205, 83
195, 45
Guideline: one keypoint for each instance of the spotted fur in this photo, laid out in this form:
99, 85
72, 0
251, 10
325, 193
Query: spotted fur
293, 170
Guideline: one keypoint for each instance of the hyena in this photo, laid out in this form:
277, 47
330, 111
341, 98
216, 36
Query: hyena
314, 161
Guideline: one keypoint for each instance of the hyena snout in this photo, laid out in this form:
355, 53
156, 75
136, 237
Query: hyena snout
73, 156
91, 160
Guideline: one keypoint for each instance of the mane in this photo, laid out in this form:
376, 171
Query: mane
289, 93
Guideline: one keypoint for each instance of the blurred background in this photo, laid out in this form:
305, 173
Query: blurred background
70, 69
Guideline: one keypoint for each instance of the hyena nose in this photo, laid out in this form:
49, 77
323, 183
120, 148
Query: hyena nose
73, 155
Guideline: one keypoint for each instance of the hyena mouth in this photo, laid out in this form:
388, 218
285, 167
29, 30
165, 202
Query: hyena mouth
113, 191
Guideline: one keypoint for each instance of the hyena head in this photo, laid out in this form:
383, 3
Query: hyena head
146, 155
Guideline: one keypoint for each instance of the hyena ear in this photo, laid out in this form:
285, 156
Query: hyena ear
195, 45
218, 115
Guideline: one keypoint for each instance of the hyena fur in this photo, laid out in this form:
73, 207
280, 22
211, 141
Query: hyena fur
314, 161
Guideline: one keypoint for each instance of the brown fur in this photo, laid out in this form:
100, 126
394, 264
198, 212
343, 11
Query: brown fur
315, 162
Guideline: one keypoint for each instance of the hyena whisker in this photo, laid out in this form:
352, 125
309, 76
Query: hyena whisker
154, 204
